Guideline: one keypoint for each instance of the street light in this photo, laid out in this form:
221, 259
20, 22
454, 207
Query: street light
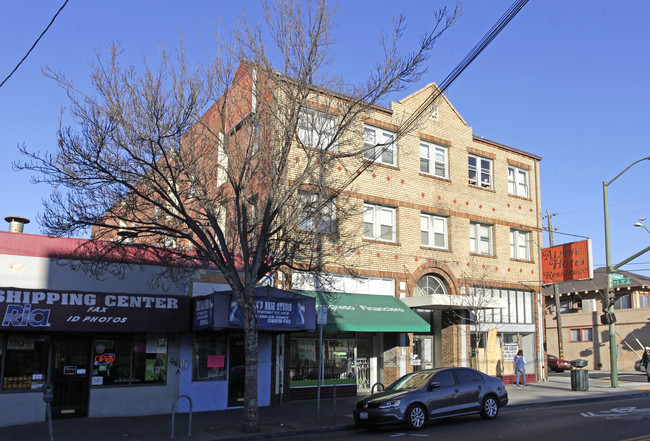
640, 224
609, 307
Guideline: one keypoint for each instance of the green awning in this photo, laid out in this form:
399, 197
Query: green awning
367, 313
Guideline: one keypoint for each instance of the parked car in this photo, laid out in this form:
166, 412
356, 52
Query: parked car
557, 364
430, 394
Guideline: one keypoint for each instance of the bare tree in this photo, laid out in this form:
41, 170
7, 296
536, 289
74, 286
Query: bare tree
240, 165
478, 303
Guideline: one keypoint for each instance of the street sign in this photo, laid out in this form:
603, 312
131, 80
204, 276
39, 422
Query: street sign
625, 281
322, 315
617, 276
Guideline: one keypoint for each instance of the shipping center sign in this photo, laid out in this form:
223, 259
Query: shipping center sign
24, 310
570, 261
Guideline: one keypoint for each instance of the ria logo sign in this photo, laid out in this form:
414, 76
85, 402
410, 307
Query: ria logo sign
22, 315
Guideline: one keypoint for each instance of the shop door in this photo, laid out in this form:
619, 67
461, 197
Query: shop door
70, 377
237, 372
422, 357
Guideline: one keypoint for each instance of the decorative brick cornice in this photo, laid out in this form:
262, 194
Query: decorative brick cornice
435, 139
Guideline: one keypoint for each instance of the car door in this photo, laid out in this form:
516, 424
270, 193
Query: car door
442, 394
469, 385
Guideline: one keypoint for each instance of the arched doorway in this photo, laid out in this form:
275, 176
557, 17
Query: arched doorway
426, 347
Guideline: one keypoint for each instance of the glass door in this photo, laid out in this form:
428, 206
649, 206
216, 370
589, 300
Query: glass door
422, 357
70, 377
236, 372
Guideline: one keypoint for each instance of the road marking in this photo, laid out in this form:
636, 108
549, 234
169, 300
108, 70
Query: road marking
638, 438
618, 413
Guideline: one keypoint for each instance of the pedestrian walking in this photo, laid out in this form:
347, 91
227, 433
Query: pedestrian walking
519, 363
645, 361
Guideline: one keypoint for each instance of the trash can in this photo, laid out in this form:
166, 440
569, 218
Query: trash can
579, 376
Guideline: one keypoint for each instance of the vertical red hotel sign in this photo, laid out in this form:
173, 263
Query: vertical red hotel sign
570, 261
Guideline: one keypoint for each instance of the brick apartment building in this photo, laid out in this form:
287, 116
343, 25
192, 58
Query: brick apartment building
448, 227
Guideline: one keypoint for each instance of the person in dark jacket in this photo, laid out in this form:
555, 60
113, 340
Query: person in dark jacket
645, 361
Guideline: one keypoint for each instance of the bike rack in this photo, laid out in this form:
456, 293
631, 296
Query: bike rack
189, 426
372, 389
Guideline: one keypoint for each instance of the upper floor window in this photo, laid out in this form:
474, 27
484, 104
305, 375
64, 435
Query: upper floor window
480, 171
317, 214
644, 300
623, 302
584, 334
433, 231
519, 244
379, 145
434, 160
317, 129
378, 222
480, 238
518, 181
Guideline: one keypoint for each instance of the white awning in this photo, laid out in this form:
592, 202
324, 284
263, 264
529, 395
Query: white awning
447, 301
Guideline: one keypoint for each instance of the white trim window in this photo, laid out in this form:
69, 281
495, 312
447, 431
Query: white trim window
480, 171
316, 129
379, 145
519, 244
315, 214
378, 222
434, 159
518, 181
433, 231
480, 238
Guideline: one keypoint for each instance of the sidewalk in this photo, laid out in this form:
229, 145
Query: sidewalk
300, 417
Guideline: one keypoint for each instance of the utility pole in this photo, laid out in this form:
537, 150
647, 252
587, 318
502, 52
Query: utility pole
556, 296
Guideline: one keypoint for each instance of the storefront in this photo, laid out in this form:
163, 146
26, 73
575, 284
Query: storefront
362, 333
105, 354
215, 377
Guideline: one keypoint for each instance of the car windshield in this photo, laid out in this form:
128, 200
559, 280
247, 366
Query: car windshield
416, 380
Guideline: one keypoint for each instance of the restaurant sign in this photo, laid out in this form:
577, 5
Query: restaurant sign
38, 310
570, 261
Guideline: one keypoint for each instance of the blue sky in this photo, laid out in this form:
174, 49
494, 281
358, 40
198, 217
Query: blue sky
567, 81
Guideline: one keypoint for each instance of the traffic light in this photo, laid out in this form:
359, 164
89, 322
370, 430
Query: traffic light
608, 318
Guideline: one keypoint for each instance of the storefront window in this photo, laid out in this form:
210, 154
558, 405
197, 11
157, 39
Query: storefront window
209, 357
339, 366
130, 359
25, 359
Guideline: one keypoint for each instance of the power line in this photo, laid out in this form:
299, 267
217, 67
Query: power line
35, 43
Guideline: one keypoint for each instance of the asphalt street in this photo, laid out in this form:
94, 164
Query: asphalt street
615, 420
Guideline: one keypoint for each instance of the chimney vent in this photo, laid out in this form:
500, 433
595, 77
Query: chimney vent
16, 223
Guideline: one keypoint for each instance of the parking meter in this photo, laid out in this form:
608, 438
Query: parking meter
48, 392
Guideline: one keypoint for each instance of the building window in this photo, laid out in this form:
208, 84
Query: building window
433, 231
644, 300
209, 357
433, 160
583, 334
480, 238
25, 358
317, 129
339, 358
429, 285
379, 145
518, 181
130, 359
480, 171
346, 284
519, 244
315, 213
378, 222
623, 302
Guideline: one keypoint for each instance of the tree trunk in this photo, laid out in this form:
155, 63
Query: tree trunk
251, 340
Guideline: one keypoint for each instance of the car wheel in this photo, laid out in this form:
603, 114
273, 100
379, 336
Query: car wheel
416, 417
489, 408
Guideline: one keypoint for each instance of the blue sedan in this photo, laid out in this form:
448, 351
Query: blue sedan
426, 395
